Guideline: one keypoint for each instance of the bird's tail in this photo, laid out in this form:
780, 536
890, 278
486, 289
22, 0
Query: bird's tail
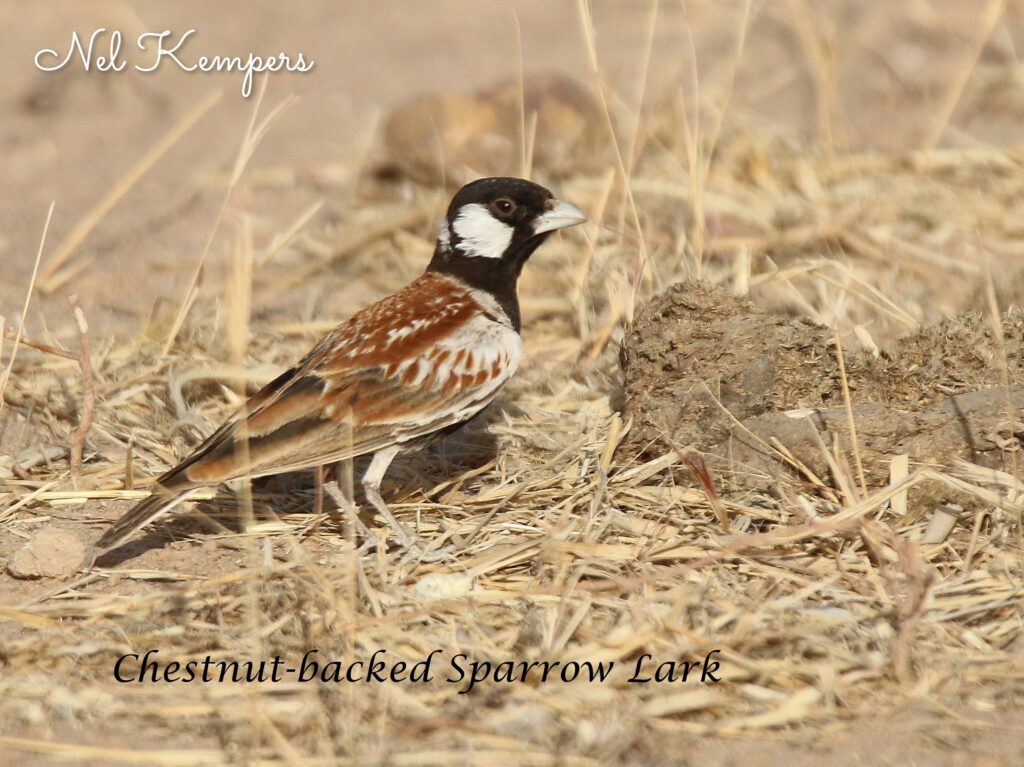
160, 502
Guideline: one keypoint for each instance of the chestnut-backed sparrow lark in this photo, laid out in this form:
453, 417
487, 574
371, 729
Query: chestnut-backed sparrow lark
400, 373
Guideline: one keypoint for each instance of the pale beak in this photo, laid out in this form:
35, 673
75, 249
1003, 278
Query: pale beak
559, 215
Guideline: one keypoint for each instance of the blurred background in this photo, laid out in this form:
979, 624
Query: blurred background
818, 78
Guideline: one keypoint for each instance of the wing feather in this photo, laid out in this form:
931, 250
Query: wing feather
391, 375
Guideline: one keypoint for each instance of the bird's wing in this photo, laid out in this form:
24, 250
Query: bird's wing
412, 364
422, 360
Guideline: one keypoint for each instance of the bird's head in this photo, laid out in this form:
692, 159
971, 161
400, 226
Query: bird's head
494, 225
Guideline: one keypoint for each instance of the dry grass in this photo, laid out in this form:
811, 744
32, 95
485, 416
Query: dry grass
568, 550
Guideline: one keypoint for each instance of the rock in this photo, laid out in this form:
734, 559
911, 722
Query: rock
51, 553
455, 138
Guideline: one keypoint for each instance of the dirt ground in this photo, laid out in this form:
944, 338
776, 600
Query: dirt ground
849, 169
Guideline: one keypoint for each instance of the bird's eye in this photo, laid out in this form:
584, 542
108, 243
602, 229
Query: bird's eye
504, 205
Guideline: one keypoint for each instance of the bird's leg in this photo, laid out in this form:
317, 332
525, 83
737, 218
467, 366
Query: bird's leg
346, 505
415, 547
371, 486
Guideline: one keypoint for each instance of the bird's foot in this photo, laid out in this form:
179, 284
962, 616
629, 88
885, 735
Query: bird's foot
415, 548
370, 540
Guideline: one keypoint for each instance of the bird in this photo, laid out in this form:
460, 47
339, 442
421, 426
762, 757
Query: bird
394, 377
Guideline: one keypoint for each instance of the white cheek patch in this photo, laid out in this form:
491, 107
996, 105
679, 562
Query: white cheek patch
481, 235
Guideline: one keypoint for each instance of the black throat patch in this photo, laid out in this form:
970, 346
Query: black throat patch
492, 275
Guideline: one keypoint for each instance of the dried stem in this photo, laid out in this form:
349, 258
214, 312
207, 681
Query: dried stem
77, 437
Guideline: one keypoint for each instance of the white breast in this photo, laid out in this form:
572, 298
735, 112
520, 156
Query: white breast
490, 346
452, 369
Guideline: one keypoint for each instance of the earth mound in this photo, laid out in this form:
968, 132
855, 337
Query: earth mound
761, 396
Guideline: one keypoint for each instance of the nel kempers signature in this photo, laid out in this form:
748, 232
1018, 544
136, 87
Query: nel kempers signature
159, 48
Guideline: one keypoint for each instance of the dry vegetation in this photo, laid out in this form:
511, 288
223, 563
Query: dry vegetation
828, 600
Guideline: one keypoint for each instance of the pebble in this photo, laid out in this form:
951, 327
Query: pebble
51, 553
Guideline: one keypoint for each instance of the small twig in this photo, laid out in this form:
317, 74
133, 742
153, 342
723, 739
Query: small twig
121, 188
909, 581
77, 437
700, 470
849, 414
253, 135
12, 335
129, 464
694, 461
989, 19
5, 374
